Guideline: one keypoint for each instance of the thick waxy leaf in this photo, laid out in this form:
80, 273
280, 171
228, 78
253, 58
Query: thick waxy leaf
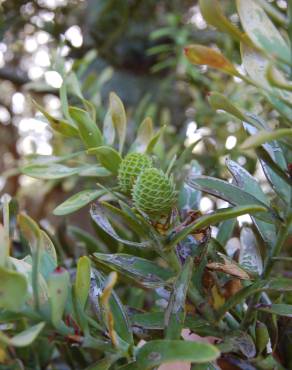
121, 320
263, 136
77, 201
58, 288
88, 130
118, 116
249, 256
213, 218
24, 338
280, 285
94, 170
65, 128
108, 157
199, 54
109, 132
230, 193
261, 30
13, 289
175, 312
82, 282
280, 309
139, 270
50, 171
213, 14
144, 136
157, 352
249, 184
99, 217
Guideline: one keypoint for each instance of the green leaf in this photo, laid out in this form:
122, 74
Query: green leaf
249, 255
98, 215
219, 101
94, 170
82, 282
230, 193
108, 129
157, 352
213, 218
108, 157
77, 201
199, 54
58, 289
139, 270
261, 30
119, 119
24, 338
264, 136
13, 289
176, 312
65, 128
144, 136
51, 171
277, 284
154, 140
280, 309
86, 239
88, 130
213, 15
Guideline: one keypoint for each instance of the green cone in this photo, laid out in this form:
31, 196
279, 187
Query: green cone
131, 167
154, 192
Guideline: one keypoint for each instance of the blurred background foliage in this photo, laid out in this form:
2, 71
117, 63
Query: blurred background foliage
132, 47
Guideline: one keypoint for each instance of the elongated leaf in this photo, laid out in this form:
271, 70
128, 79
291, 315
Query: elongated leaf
249, 256
213, 14
98, 215
264, 136
219, 101
86, 239
199, 54
280, 309
121, 320
82, 282
213, 218
65, 128
88, 130
77, 201
144, 136
58, 288
280, 285
94, 170
139, 270
109, 132
24, 338
175, 312
230, 193
261, 30
50, 171
108, 157
157, 352
249, 184
154, 140
13, 289
47, 159
119, 119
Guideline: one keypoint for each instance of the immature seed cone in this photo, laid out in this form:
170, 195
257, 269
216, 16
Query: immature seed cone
154, 192
130, 168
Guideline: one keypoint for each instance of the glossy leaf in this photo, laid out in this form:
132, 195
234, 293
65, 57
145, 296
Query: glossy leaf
249, 255
175, 312
13, 289
77, 201
108, 157
99, 217
157, 352
199, 54
264, 136
261, 30
280, 309
52, 171
214, 218
139, 270
119, 119
88, 130
230, 193
58, 289
24, 338
82, 282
